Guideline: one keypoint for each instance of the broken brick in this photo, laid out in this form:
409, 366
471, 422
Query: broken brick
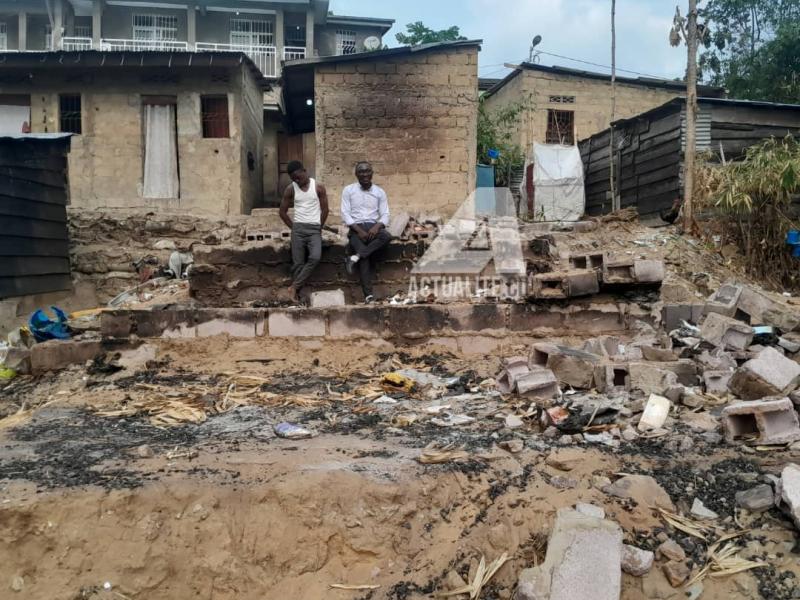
768, 421
725, 332
768, 374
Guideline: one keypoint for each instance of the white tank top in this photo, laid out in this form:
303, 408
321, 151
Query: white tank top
306, 204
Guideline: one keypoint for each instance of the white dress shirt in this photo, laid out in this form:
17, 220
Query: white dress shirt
364, 206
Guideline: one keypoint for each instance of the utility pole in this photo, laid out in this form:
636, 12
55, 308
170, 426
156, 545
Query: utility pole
614, 205
691, 117
686, 29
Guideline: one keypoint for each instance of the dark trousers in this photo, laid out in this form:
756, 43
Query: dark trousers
306, 251
365, 250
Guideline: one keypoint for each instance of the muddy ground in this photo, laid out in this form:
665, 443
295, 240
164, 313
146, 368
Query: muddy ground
107, 507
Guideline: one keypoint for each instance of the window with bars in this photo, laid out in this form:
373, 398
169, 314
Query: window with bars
214, 115
3, 36
560, 127
295, 35
345, 42
48, 37
83, 30
249, 32
562, 99
69, 113
155, 27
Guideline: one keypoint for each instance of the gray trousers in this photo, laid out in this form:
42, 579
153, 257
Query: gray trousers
306, 251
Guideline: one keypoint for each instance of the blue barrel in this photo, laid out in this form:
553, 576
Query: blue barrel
793, 237
485, 176
796, 251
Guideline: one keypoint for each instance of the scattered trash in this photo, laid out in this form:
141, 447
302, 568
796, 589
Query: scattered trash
483, 575
292, 432
453, 420
394, 382
44, 328
436, 454
655, 413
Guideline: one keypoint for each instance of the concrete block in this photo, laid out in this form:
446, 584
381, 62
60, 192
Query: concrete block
234, 322
508, 377
549, 286
771, 421
584, 555
790, 492
538, 383
673, 314
289, 323
582, 262
648, 271
618, 271
724, 301
571, 367
55, 355
716, 382
476, 317
726, 332
605, 345
649, 378
357, 321
582, 283
768, 374
116, 324
610, 376
327, 298
417, 321
657, 354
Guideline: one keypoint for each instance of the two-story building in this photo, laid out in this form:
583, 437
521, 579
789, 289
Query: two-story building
192, 88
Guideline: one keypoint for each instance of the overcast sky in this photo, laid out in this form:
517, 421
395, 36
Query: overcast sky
578, 29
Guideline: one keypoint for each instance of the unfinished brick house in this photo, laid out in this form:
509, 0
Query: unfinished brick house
412, 111
69, 35
567, 105
155, 129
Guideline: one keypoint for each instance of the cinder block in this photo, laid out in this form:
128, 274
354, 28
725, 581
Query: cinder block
549, 286
610, 376
508, 377
476, 317
726, 332
417, 321
55, 355
301, 323
531, 318
673, 314
327, 298
357, 321
571, 367
116, 324
582, 262
618, 271
582, 283
724, 301
538, 383
772, 421
768, 374
716, 382
233, 322
649, 378
648, 271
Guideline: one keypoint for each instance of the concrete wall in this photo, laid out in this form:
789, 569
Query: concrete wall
592, 105
414, 117
106, 161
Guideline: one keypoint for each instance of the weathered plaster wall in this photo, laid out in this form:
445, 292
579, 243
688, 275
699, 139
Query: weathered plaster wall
414, 117
106, 161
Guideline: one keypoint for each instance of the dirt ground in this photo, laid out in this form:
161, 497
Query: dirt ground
107, 493
226, 509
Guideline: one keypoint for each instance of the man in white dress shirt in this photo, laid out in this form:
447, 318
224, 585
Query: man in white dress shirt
365, 210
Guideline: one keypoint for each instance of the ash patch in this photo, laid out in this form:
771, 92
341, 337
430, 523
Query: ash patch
67, 448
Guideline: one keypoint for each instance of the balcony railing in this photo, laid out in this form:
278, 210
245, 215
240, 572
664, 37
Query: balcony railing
265, 57
71, 44
294, 52
139, 45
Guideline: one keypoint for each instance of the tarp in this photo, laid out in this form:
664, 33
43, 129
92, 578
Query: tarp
558, 182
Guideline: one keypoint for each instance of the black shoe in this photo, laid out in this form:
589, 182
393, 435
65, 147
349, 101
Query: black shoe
348, 265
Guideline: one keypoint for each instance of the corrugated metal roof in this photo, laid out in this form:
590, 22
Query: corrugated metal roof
377, 54
34, 136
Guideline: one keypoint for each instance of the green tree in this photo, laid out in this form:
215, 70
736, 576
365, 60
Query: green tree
752, 47
417, 33
496, 131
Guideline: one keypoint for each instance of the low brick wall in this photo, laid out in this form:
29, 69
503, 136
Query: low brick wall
226, 276
465, 326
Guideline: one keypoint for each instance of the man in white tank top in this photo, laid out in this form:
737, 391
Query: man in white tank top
310, 202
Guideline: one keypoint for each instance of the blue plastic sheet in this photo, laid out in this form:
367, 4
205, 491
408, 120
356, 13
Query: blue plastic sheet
44, 328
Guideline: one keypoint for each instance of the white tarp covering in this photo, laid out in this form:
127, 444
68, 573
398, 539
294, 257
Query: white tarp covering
161, 153
12, 118
558, 183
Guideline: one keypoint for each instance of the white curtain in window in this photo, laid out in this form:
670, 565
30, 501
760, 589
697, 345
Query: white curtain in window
13, 118
161, 153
